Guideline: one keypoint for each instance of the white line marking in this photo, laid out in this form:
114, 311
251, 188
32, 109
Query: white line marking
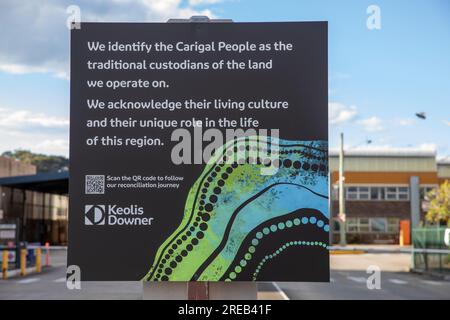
60, 280
358, 279
431, 282
332, 280
283, 295
397, 281
29, 280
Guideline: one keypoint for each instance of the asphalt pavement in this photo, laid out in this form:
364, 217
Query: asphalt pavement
348, 281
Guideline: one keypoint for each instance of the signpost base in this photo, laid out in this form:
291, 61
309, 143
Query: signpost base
200, 290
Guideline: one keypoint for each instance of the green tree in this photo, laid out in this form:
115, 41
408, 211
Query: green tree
43, 163
439, 210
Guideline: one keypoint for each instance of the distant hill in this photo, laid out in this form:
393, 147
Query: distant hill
44, 163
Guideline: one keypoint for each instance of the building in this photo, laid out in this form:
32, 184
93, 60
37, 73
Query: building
36, 203
443, 167
383, 188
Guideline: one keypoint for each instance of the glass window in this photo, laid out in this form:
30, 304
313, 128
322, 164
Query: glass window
393, 225
378, 224
424, 191
352, 193
364, 193
375, 193
352, 225
364, 225
382, 193
402, 196
403, 193
391, 193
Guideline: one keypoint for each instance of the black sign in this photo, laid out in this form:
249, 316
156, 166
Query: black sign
198, 151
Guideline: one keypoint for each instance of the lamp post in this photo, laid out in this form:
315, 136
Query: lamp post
343, 240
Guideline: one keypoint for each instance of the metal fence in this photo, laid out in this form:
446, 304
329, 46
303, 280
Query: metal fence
431, 238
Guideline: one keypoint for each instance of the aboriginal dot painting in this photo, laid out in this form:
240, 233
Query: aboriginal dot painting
258, 212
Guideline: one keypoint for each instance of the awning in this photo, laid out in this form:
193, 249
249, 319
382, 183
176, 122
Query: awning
55, 182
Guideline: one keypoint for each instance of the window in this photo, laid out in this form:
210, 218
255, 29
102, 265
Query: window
377, 193
391, 193
364, 193
352, 193
403, 193
364, 225
393, 225
372, 225
424, 191
352, 225
378, 224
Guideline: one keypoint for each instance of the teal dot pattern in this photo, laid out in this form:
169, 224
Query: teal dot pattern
274, 254
259, 235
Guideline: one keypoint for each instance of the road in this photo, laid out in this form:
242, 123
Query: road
348, 281
351, 285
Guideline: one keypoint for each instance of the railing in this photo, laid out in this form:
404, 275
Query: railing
431, 245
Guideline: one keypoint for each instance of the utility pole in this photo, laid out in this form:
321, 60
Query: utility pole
342, 237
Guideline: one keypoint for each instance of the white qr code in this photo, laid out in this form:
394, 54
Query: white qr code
95, 184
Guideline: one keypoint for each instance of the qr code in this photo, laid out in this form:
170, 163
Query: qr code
95, 184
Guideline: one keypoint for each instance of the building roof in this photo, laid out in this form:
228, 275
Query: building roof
55, 182
444, 161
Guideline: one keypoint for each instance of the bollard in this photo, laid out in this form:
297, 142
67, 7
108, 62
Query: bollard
38, 253
47, 254
23, 262
5, 264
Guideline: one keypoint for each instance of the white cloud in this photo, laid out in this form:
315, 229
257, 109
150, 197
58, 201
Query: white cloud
38, 132
35, 38
53, 146
406, 122
340, 114
372, 124
25, 120
203, 2
428, 146
446, 122
38, 142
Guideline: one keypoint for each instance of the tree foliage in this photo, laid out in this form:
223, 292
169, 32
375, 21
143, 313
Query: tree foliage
439, 210
43, 163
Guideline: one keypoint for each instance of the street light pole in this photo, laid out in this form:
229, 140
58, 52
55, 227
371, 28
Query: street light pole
342, 237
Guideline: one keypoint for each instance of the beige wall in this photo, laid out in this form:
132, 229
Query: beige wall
444, 171
385, 164
10, 167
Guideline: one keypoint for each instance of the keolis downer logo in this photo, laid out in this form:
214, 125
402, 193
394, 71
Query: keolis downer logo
94, 215
114, 215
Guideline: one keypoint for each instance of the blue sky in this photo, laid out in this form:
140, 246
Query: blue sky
378, 79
